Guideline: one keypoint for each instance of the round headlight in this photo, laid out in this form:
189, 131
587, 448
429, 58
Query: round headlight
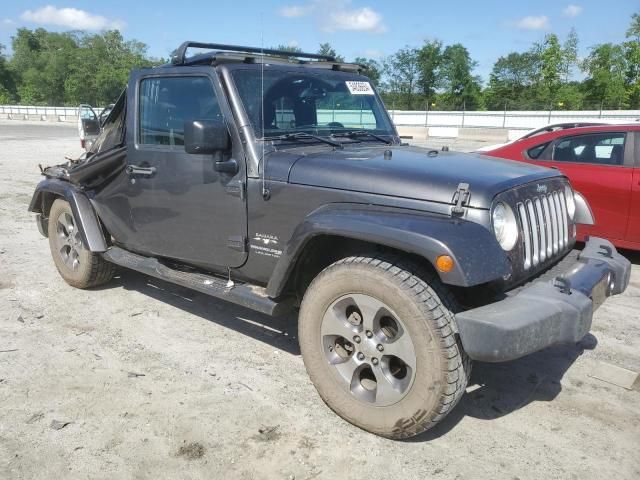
505, 226
571, 201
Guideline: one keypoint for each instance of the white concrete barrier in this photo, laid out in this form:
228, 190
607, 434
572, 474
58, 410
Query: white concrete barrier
498, 125
444, 132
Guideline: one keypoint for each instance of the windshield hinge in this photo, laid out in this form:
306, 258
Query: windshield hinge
238, 243
460, 199
237, 189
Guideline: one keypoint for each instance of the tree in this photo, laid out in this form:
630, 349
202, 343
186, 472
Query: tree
327, 49
632, 57
606, 69
7, 82
372, 69
551, 68
570, 96
633, 31
569, 54
110, 58
289, 48
402, 72
429, 62
462, 88
73, 67
41, 61
512, 81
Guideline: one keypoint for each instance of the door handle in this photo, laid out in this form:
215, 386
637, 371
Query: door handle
228, 166
135, 170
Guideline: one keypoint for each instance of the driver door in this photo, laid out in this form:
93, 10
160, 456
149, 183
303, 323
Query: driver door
181, 207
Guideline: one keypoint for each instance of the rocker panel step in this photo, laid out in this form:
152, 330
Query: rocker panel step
247, 295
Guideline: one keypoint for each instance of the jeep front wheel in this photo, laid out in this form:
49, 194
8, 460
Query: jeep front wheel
377, 341
77, 265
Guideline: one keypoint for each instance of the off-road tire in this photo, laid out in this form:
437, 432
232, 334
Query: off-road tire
91, 269
427, 310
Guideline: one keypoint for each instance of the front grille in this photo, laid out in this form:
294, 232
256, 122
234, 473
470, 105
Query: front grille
544, 227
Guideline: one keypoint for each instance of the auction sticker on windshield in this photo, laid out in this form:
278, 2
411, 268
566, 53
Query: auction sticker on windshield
359, 88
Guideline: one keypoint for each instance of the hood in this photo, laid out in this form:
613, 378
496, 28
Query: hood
409, 172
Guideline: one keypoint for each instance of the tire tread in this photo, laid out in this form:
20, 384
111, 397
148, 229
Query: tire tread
440, 304
96, 271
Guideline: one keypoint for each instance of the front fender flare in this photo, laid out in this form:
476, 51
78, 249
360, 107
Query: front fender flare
477, 255
83, 212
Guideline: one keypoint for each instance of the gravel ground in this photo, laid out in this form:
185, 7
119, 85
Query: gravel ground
142, 379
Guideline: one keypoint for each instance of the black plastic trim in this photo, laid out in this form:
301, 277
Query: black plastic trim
83, 212
546, 313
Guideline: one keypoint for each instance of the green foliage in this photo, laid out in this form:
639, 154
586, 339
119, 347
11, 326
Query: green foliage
288, 48
633, 31
551, 68
606, 69
372, 69
430, 60
7, 82
461, 88
512, 82
571, 96
69, 68
402, 72
569, 55
537, 79
327, 49
632, 58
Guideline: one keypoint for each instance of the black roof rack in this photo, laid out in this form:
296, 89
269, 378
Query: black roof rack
178, 57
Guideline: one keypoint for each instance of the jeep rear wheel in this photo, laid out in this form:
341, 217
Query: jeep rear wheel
77, 265
378, 342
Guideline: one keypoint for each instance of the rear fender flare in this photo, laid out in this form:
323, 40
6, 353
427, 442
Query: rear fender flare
477, 255
83, 212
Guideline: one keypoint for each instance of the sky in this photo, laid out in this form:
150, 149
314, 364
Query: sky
369, 28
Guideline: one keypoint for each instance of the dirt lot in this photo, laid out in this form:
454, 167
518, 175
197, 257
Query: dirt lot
142, 379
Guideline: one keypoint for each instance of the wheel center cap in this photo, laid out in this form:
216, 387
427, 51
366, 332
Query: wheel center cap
368, 347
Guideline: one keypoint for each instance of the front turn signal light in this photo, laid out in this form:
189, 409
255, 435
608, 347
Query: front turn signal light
444, 263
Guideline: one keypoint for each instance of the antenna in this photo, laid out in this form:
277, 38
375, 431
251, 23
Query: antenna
265, 191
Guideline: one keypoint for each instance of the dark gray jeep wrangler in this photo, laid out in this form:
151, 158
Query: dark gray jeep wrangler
277, 181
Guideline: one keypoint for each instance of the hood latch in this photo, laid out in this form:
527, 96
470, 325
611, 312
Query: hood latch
460, 198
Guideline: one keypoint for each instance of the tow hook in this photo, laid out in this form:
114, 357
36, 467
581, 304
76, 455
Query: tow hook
564, 284
606, 251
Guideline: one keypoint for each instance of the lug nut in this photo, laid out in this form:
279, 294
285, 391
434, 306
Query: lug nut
356, 339
355, 318
374, 361
360, 356
369, 334
380, 347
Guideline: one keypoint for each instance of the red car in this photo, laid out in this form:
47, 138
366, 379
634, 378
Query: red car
603, 163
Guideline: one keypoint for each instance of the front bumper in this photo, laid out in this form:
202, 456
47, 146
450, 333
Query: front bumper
546, 312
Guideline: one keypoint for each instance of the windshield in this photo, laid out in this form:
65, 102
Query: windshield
317, 102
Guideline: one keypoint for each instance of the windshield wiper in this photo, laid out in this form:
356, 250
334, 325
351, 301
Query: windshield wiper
303, 135
361, 133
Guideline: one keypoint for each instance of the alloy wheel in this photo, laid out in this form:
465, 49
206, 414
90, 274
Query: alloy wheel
369, 349
69, 241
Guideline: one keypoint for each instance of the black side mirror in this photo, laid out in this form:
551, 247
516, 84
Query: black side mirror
205, 136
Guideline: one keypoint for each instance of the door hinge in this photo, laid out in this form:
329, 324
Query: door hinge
460, 198
237, 189
238, 243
